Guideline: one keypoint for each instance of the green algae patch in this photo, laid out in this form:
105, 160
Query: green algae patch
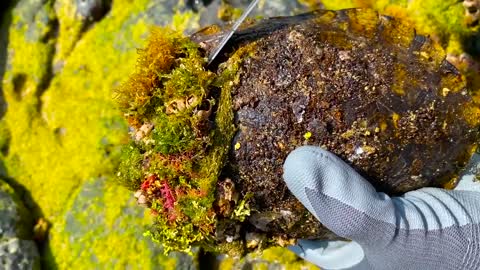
182, 127
70, 30
63, 129
100, 215
30, 50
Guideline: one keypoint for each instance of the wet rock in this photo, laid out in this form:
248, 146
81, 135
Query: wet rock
363, 86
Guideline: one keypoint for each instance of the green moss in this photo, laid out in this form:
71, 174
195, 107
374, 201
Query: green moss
242, 211
129, 171
184, 153
99, 216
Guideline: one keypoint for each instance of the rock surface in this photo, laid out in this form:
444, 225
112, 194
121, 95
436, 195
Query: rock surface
18, 254
17, 249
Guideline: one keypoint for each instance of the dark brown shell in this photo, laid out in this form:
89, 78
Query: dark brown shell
363, 86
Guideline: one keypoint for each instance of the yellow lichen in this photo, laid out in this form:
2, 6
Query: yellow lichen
307, 135
64, 135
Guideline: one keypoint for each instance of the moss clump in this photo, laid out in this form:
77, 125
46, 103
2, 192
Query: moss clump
130, 166
182, 127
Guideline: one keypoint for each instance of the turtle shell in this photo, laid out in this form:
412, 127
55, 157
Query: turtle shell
362, 85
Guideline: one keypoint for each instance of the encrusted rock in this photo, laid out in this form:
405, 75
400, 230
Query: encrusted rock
362, 85
359, 84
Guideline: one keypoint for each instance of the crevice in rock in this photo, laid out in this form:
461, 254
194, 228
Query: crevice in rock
207, 261
89, 17
5, 21
44, 84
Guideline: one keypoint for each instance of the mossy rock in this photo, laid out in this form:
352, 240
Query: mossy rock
307, 80
209, 142
99, 217
62, 128
17, 249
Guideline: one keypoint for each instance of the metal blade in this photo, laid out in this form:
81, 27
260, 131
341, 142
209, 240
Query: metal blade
224, 41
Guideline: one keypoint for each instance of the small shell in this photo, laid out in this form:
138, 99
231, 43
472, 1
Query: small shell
472, 11
142, 200
138, 193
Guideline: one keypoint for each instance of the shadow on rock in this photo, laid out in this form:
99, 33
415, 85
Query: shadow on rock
39, 234
40, 228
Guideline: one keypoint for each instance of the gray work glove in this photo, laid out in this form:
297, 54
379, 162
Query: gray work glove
426, 229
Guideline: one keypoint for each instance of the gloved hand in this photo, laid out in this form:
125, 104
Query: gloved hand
426, 229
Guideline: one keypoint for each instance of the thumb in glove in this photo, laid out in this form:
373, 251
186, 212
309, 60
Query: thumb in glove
425, 229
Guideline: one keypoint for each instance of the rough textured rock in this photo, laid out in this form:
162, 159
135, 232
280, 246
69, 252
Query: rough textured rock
17, 249
18, 254
15, 219
363, 86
